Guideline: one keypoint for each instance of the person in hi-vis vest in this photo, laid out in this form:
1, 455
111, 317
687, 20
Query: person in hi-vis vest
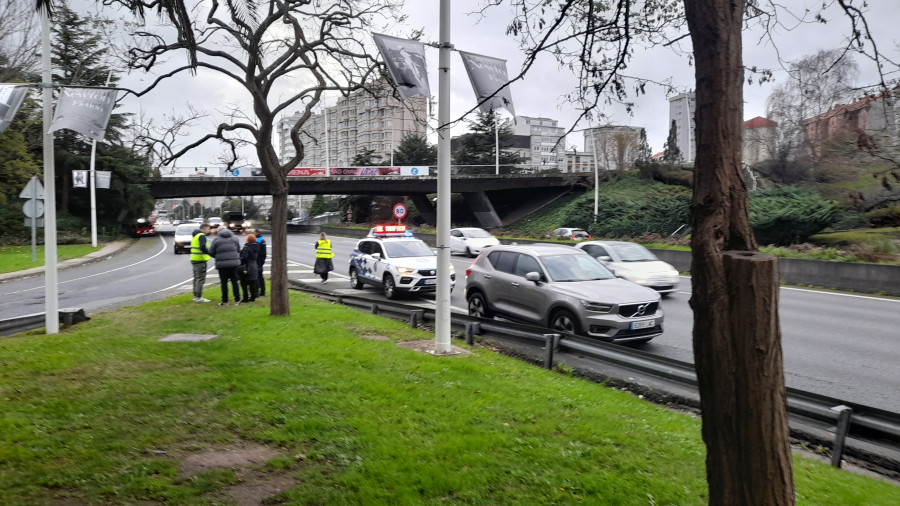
324, 254
199, 257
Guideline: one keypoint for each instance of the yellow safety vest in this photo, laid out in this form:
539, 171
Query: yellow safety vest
323, 249
197, 254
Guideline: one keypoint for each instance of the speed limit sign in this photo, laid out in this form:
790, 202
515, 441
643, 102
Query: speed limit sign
399, 211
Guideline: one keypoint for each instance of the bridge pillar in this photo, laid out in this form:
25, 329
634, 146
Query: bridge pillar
426, 210
482, 209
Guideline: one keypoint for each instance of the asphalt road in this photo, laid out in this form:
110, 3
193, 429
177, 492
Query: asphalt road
845, 346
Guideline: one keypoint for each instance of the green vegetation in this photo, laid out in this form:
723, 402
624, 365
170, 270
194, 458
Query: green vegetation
16, 258
788, 215
104, 413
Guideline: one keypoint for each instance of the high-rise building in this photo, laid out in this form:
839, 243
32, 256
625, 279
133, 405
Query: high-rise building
547, 142
361, 121
682, 110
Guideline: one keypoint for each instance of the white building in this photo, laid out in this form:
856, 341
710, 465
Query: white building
617, 146
360, 121
547, 142
682, 110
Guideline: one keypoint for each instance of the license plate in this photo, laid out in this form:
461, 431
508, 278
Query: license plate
428, 281
644, 324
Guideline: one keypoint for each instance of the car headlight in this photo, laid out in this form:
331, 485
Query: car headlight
405, 270
452, 268
597, 307
673, 272
245, 224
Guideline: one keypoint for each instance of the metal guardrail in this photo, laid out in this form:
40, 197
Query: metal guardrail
67, 316
865, 424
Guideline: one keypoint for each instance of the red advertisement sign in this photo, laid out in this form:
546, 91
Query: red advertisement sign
347, 171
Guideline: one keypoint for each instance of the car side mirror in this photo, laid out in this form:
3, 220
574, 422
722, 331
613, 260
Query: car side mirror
604, 258
376, 256
534, 277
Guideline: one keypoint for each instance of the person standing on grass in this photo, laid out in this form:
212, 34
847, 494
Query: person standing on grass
248, 260
260, 261
199, 257
225, 249
324, 254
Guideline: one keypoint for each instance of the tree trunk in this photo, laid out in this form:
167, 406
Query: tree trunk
279, 303
737, 343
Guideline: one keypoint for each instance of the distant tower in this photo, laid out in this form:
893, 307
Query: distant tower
681, 110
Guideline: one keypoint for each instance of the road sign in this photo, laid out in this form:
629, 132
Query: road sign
33, 208
39, 222
399, 211
33, 190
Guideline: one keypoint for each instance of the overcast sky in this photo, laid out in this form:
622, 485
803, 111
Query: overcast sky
540, 94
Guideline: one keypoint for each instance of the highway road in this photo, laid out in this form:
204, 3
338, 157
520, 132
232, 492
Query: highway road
840, 345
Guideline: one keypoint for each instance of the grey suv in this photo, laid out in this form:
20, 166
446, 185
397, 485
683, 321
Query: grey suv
564, 289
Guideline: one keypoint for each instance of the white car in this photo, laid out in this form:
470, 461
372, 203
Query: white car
635, 263
471, 241
395, 263
183, 237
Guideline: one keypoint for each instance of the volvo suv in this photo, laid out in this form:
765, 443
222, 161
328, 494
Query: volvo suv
564, 289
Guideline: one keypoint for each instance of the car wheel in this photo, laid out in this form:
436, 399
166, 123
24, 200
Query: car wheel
354, 280
564, 321
478, 306
390, 289
469, 252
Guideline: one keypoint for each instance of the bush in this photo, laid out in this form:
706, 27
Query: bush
884, 217
786, 214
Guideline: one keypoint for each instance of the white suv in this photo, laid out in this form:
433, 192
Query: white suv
396, 264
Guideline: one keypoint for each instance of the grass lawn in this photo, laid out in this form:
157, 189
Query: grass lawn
17, 258
334, 413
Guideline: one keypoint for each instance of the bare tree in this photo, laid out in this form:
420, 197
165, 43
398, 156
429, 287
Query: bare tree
19, 40
737, 340
814, 85
284, 54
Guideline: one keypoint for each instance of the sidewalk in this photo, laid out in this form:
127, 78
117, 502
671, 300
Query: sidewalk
109, 250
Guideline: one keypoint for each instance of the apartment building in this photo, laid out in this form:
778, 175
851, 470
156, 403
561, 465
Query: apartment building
547, 142
360, 121
682, 110
759, 140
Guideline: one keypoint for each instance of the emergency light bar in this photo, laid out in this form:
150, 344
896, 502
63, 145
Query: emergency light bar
390, 229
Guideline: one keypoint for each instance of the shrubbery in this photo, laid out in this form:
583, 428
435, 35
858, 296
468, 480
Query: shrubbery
786, 215
884, 217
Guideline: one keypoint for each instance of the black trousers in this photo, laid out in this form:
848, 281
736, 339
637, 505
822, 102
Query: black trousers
249, 287
227, 274
261, 281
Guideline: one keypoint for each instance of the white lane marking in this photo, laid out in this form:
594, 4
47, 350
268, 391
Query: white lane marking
161, 251
823, 292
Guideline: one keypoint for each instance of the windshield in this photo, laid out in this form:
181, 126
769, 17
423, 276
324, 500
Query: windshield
575, 268
185, 229
215, 220
477, 233
401, 249
634, 253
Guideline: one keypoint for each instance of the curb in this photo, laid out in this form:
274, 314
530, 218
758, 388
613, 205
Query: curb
109, 250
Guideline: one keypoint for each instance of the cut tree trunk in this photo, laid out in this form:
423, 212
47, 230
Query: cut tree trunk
737, 343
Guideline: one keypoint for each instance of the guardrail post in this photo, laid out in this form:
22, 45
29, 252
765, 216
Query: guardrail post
472, 328
374, 308
339, 300
840, 433
551, 343
416, 316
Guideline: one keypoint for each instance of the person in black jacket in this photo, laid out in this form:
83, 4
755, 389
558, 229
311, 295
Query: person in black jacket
248, 261
225, 248
260, 261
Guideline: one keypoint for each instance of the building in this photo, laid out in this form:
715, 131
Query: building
759, 140
547, 142
360, 121
616, 146
877, 116
682, 109
578, 161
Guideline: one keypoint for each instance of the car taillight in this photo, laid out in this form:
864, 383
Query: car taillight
469, 268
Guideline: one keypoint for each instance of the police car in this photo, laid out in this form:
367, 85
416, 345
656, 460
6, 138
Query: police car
396, 262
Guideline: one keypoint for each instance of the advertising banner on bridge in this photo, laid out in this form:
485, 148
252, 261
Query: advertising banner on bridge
359, 171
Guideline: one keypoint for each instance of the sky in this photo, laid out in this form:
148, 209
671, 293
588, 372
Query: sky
541, 92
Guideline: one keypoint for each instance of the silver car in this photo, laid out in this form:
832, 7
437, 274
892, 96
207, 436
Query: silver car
635, 263
183, 237
564, 289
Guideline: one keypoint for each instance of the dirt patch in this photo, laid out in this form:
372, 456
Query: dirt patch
255, 490
245, 455
374, 337
427, 346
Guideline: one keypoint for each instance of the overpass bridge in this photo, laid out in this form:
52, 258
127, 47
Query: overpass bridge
514, 195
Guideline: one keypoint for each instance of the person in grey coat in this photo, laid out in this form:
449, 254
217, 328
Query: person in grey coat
225, 249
